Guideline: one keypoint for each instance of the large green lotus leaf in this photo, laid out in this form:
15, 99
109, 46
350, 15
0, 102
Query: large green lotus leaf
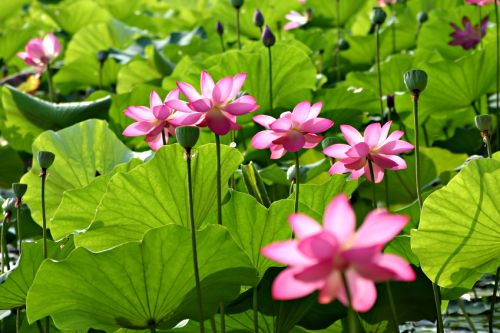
78, 206
9, 8
140, 284
15, 284
120, 9
155, 194
81, 150
457, 240
11, 168
13, 40
72, 15
135, 73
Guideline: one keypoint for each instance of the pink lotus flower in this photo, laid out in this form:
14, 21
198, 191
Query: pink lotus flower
218, 105
318, 256
39, 53
296, 20
156, 119
292, 131
481, 2
383, 3
376, 146
470, 36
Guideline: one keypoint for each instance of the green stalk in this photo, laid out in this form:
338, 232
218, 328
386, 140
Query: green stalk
297, 182
270, 79
222, 43
153, 330
466, 315
487, 142
43, 175
498, 73
193, 241
101, 65
372, 175
351, 315
2, 244
52, 95
19, 204
212, 325
255, 306
18, 320
238, 27
437, 301
339, 37
379, 74
415, 96
493, 301
219, 181
163, 137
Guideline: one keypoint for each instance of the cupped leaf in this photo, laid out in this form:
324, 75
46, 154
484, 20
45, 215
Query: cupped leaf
140, 285
82, 152
155, 194
15, 284
457, 240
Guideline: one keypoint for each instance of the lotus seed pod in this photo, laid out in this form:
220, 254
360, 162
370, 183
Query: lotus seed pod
19, 189
102, 56
258, 18
219, 28
415, 80
268, 37
343, 45
378, 16
237, 3
328, 141
484, 122
187, 136
291, 174
422, 17
45, 159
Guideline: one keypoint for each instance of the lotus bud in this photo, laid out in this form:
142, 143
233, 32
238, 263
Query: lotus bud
415, 80
291, 174
258, 18
328, 141
378, 16
343, 45
268, 37
219, 28
102, 56
237, 3
45, 159
422, 17
19, 189
187, 136
483, 122
391, 101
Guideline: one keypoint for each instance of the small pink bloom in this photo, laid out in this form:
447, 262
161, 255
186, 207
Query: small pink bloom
470, 36
218, 105
156, 119
40, 52
481, 2
383, 3
292, 131
296, 20
319, 255
376, 146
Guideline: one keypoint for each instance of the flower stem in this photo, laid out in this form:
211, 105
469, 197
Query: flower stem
270, 79
372, 176
493, 301
2, 244
351, 315
163, 137
415, 96
394, 316
238, 27
193, 241
255, 305
222, 43
498, 73
43, 175
219, 181
466, 315
487, 142
297, 182
18, 320
379, 74
52, 96
19, 204
101, 67
437, 301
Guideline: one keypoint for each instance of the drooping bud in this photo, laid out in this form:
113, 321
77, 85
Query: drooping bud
390, 102
422, 17
328, 141
268, 37
102, 56
219, 28
258, 18
343, 45
187, 136
19, 189
237, 3
378, 16
415, 80
45, 159
483, 122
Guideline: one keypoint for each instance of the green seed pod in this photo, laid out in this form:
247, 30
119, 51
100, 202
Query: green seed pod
187, 136
483, 122
378, 16
102, 56
45, 159
19, 189
422, 17
415, 80
343, 45
327, 142
237, 3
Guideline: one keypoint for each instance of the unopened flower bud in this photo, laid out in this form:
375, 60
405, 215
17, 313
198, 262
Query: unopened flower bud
219, 28
415, 80
19, 189
378, 16
483, 122
343, 45
268, 37
187, 136
391, 101
45, 159
258, 18
237, 3
422, 17
102, 56
328, 141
